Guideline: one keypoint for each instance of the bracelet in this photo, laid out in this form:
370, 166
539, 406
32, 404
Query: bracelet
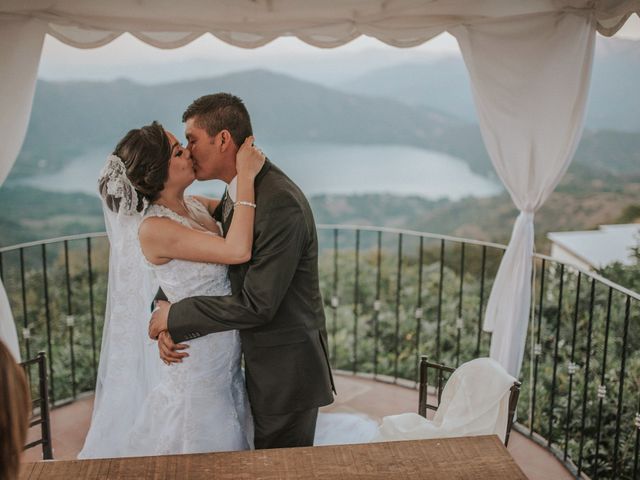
246, 204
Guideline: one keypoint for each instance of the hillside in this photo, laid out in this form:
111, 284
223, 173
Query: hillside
444, 85
69, 117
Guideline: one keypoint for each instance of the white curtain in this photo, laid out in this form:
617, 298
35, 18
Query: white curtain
530, 78
20, 47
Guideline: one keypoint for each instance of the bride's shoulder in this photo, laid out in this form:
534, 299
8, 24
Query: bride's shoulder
201, 202
157, 218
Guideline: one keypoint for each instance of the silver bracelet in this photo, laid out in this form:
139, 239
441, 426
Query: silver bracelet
246, 204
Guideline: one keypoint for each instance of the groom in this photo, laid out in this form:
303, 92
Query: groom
276, 302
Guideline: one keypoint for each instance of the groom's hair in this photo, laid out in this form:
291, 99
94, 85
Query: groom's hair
221, 111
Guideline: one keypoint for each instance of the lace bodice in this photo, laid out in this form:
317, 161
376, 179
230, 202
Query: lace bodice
181, 278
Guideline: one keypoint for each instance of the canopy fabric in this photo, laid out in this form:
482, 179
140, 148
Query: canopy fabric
252, 23
530, 81
21, 42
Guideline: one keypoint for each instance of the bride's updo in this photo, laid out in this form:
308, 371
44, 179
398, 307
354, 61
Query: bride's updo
145, 153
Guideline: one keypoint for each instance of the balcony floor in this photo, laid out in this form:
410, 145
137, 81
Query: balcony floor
356, 395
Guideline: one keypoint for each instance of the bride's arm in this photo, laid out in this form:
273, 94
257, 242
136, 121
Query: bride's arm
162, 239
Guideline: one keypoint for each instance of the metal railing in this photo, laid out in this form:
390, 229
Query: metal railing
393, 295
52, 296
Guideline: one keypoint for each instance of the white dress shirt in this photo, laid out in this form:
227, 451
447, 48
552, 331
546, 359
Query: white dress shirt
232, 189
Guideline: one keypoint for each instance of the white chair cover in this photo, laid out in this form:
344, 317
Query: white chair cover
475, 401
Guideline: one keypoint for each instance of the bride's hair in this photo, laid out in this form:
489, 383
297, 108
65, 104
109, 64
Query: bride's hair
145, 153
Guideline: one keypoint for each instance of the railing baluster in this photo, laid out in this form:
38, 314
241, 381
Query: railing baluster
555, 358
398, 299
25, 320
1, 269
460, 296
356, 301
334, 298
70, 319
623, 360
92, 312
585, 390
419, 313
377, 306
537, 349
602, 388
439, 316
572, 367
47, 312
481, 302
636, 450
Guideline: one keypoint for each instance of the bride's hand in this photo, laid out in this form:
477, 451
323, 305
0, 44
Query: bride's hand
249, 159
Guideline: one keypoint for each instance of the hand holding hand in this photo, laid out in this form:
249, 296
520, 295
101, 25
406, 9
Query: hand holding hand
169, 351
249, 159
159, 319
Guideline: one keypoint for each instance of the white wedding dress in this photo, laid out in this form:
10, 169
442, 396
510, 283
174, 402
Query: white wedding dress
197, 406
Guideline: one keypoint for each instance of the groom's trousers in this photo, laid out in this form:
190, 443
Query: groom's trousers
289, 430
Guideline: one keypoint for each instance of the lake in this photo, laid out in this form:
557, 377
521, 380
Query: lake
321, 168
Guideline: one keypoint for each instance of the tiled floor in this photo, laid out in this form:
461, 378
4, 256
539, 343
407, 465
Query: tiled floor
356, 395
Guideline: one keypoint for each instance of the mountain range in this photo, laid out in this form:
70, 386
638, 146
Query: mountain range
427, 106
69, 117
613, 102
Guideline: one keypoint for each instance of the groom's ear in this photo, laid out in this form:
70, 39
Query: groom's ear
226, 140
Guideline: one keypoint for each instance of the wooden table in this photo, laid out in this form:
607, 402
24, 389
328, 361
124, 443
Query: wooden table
454, 458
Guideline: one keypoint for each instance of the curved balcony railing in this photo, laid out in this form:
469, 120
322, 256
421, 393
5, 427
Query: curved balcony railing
393, 295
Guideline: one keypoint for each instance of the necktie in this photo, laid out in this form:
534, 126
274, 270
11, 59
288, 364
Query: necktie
227, 206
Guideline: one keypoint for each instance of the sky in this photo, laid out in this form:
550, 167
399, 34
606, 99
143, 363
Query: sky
127, 57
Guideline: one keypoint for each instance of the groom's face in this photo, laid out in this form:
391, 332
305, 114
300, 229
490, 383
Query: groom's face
205, 151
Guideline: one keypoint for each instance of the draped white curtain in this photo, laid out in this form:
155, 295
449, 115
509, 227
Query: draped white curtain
20, 47
530, 78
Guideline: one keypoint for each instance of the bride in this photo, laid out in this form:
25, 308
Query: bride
143, 407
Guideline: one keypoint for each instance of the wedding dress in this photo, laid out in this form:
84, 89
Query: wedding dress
200, 405
197, 406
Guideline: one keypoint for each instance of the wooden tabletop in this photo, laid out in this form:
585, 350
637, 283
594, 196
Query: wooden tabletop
447, 458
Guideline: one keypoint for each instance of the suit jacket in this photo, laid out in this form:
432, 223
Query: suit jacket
276, 304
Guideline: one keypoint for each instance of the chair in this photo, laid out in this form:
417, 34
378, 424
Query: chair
442, 371
40, 405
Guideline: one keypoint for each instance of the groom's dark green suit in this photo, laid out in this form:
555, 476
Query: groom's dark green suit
277, 306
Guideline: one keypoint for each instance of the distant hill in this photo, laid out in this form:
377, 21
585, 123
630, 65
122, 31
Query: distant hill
444, 85
610, 151
68, 117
